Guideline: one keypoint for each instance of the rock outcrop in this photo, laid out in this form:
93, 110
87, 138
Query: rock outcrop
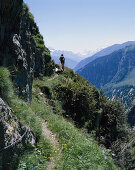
13, 137
22, 47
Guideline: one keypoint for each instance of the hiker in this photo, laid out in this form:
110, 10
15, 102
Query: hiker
62, 60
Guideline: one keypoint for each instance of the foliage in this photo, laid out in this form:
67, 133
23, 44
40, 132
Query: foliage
131, 116
124, 152
43, 63
113, 122
96, 113
80, 100
89, 109
32, 157
6, 87
26, 117
77, 150
92, 110
36, 158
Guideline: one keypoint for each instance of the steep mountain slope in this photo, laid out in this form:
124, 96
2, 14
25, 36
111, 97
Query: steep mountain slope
67, 102
114, 73
101, 53
72, 97
22, 47
87, 108
19, 125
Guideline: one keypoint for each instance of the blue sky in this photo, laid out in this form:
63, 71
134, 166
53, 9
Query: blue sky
79, 25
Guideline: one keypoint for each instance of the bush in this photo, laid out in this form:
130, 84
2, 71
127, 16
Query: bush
113, 123
6, 86
91, 109
80, 100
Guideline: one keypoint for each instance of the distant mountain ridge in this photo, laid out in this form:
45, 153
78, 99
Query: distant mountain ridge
68, 62
72, 59
103, 52
114, 72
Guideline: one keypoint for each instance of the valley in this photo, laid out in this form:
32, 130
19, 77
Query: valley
54, 119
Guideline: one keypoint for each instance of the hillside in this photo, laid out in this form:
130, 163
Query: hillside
114, 73
102, 53
22, 46
70, 124
53, 120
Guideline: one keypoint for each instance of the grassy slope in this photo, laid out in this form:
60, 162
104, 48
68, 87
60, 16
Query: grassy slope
31, 158
78, 150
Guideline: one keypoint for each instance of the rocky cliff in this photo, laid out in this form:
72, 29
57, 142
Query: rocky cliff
13, 137
22, 50
22, 47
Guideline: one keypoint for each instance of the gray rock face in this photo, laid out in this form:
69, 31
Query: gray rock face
10, 14
23, 47
18, 49
12, 134
22, 56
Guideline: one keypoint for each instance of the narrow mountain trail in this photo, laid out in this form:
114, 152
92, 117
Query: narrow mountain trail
55, 143
55, 76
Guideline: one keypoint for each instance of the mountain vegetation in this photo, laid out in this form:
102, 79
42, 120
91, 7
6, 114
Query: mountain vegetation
95, 120
91, 131
22, 47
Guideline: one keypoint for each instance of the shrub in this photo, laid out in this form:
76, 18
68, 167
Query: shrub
80, 100
91, 109
6, 86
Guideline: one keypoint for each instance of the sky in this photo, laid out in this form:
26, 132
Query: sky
79, 25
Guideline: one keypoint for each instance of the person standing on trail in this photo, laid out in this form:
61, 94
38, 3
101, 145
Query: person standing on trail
62, 60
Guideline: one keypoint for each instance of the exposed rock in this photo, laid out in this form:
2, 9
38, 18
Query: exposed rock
22, 47
12, 134
10, 14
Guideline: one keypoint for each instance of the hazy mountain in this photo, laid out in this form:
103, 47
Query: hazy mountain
68, 62
68, 54
72, 59
115, 73
103, 52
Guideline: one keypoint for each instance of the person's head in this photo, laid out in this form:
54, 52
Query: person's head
61, 54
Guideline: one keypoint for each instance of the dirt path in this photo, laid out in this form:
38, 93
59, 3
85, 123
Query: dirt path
55, 143
53, 77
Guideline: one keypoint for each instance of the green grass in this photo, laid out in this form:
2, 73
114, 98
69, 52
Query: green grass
6, 87
32, 157
36, 159
78, 150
